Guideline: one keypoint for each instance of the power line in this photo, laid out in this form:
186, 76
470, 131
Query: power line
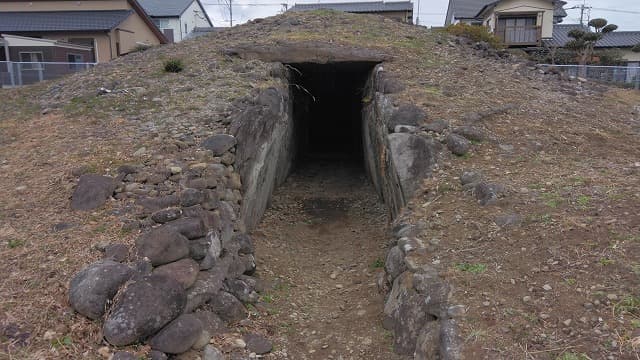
617, 10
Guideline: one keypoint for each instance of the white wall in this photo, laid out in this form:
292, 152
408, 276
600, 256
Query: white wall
193, 17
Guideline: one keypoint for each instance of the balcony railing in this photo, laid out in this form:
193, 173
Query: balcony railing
519, 35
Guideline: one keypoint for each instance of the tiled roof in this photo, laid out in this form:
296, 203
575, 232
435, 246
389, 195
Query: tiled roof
357, 7
612, 39
165, 8
62, 20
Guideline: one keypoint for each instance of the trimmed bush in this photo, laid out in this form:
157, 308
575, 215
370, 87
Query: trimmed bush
475, 33
173, 66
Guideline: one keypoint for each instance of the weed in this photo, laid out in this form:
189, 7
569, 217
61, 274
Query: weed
472, 268
377, 263
629, 304
13, 243
636, 269
443, 188
474, 33
572, 356
101, 229
578, 180
530, 317
606, 261
61, 342
267, 299
584, 200
546, 218
635, 323
570, 281
552, 200
476, 334
173, 66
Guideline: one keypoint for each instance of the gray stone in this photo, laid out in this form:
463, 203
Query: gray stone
213, 250
470, 177
458, 144
428, 342
92, 192
243, 290
471, 133
95, 285
394, 264
407, 114
198, 248
123, 355
184, 271
219, 144
486, 193
435, 292
437, 126
211, 353
388, 84
211, 322
128, 169
450, 342
163, 245
245, 243
257, 343
508, 220
192, 228
178, 336
191, 197
116, 252
157, 203
157, 355
166, 215
145, 306
405, 129
208, 284
413, 157
405, 314
228, 307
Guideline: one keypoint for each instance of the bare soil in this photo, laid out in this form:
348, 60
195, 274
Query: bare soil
321, 244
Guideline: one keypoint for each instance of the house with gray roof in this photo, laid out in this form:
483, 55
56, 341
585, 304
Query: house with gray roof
177, 19
468, 11
621, 40
109, 28
397, 10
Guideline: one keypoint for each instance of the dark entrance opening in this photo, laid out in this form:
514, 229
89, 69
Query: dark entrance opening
327, 110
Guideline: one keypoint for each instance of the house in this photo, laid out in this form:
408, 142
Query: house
517, 23
111, 28
398, 10
177, 19
39, 59
624, 41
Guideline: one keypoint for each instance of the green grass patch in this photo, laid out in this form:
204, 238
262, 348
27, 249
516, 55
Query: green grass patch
629, 304
606, 261
377, 263
583, 200
471, 268
13, 243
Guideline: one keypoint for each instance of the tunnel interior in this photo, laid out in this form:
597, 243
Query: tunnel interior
327, 110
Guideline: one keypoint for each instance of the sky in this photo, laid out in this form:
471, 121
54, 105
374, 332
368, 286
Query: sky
624, 13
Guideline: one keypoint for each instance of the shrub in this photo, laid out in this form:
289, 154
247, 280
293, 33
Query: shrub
475, 33
173, 66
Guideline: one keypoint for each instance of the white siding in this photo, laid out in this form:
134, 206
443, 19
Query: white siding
170, 23
192, 17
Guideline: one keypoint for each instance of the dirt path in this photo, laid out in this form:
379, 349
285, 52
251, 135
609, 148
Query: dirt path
322, 243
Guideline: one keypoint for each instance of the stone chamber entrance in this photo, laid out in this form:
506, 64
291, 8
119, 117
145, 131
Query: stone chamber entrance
322, 241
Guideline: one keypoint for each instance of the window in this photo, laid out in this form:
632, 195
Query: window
31, 59
185, 29
74, 58
161, 23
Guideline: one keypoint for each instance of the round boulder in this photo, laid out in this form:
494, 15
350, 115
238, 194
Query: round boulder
179, 336
91, 288
219, 144
145, 307
184, 271
163, 245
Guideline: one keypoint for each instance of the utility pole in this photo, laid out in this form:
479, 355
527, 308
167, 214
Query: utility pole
284, 7
418, 14
231, 13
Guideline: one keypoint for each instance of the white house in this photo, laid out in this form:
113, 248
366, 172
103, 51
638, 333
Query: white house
177, 19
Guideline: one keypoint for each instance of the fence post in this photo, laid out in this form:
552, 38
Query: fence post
11, 75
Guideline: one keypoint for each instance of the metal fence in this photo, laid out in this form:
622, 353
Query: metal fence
627, 76
24, 73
